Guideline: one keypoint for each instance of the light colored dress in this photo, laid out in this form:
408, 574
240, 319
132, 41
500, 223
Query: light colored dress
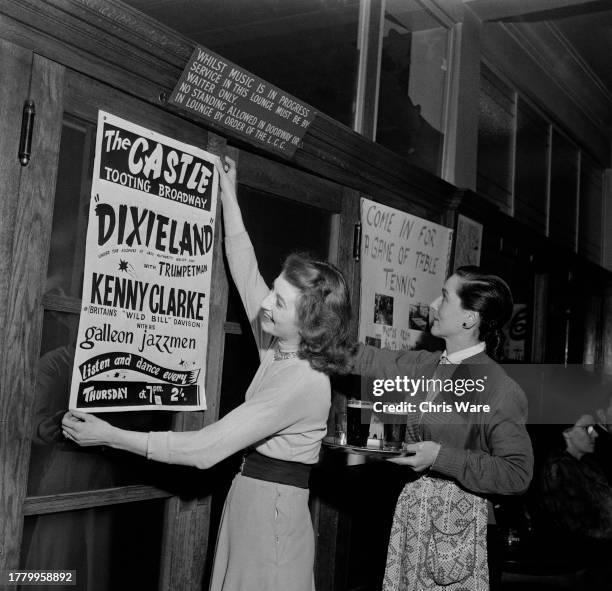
266, 540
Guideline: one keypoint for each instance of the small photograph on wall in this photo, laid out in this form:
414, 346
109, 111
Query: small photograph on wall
374, 341
468, 242
419, 316
383, 309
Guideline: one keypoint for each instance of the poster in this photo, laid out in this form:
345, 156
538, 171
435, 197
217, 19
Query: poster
516, 333
404, 264
143, 325
468, 242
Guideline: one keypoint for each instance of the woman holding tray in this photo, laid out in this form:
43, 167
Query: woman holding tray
439, 534
301, 328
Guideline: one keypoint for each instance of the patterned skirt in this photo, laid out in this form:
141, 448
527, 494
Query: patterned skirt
438, 539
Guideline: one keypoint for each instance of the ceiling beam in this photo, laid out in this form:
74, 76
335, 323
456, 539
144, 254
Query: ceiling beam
532, 10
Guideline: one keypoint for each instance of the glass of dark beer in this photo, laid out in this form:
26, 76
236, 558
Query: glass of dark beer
359, 413
394, 431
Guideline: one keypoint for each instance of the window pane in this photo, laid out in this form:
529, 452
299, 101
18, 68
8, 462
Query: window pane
116, 547
591, 213
307, 48
563, 190
240, 362
412, 84
66, 258
531, 167
58, 466
495, 140
277, 227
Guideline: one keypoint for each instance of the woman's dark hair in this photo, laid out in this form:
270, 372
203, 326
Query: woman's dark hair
323, 313
490, 296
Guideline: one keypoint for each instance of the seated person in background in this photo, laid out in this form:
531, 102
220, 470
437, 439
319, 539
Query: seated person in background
576, 494
576, 498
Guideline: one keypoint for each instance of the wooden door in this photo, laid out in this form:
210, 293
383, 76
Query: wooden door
120, 521
25, 208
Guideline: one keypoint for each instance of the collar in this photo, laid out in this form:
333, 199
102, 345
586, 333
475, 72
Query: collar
458, 356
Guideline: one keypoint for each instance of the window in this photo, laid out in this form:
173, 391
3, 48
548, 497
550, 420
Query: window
534, 171
591, 209
56, 466
496, 118
531, 172
563, 190
413, 73
277, 227
115, 547
307, 48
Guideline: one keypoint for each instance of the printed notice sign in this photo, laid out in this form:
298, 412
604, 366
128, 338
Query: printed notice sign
468, 242
146, 290
217, 90
404, 263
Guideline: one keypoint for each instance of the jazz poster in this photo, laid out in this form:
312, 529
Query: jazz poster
143, 326
404, 264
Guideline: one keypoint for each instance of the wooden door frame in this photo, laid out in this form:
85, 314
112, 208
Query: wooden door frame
31, 230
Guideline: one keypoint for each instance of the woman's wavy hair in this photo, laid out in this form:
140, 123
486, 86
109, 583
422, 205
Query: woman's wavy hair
490, 296
323, 313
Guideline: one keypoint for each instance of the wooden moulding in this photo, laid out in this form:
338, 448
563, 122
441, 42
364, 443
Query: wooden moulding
15, 69
15, 73
88, 499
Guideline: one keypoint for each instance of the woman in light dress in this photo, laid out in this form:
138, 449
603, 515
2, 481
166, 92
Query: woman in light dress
301, 328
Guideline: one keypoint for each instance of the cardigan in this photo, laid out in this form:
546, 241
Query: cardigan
286, 406
484, 452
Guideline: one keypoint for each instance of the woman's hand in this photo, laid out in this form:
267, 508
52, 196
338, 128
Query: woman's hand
232, 218
227, 176
425, 454
86, 429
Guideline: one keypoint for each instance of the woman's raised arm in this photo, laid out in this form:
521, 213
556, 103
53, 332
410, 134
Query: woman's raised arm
240, 253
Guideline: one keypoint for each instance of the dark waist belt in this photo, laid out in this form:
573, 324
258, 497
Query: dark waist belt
256, 465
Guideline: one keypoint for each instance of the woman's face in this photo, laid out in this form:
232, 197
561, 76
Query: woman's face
448, 313
278, 311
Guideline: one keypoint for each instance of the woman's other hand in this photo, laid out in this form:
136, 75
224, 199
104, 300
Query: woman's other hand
425, 454
86, 429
